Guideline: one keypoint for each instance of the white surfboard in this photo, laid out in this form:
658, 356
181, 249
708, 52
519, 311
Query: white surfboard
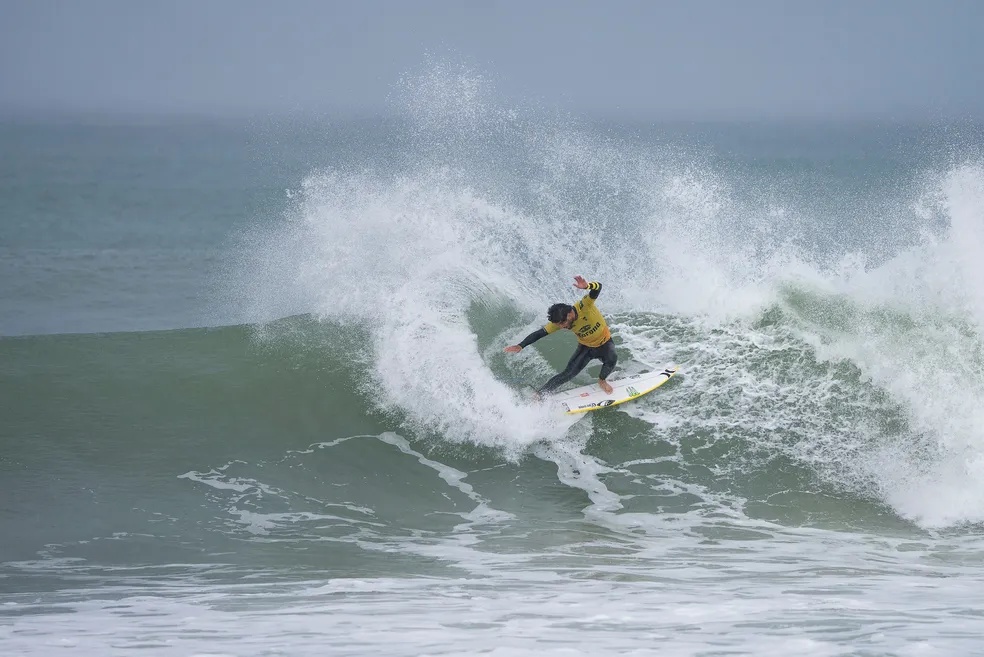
593, 398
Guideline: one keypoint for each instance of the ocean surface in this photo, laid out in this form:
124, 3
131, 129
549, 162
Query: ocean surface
253, 398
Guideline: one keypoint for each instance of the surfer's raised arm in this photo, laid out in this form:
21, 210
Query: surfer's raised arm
593, 288
593, 337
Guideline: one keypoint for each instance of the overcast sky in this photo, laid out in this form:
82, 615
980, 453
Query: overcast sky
679, 59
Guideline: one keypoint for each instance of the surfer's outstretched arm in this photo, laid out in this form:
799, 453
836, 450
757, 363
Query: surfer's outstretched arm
533, 337
527, 341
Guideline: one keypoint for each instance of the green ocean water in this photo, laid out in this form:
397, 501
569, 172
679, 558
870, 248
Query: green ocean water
253, 398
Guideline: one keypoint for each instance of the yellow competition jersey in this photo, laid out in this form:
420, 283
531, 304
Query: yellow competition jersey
590, 326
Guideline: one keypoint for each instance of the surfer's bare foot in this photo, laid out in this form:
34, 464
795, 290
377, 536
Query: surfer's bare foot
605, 385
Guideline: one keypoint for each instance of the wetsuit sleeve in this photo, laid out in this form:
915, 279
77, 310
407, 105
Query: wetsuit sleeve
533, 337
594, 289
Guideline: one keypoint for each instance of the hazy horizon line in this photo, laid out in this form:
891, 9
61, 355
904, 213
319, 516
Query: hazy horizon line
351, 113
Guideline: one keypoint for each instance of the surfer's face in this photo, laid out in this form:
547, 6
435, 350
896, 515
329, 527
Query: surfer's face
570, 319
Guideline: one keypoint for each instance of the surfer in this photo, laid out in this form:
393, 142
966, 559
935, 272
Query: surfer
594, 340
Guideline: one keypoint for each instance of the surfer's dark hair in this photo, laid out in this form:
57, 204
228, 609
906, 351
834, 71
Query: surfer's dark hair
557, 313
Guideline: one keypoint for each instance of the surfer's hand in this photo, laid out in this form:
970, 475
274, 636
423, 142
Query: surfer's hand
580, 283
513, 349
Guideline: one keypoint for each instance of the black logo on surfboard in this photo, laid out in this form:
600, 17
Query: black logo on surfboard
601, 404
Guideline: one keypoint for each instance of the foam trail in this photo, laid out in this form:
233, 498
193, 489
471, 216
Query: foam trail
483, 513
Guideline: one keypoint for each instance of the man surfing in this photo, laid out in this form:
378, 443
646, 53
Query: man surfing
594, 340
